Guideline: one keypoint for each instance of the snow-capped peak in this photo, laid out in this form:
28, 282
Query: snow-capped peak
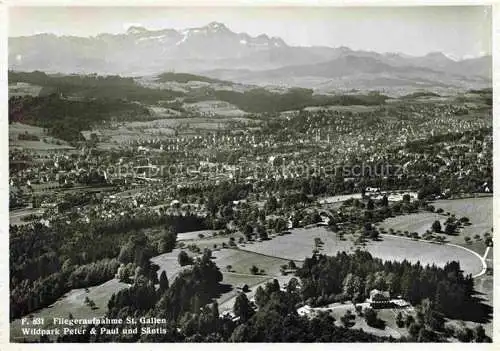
216, 26
136, 30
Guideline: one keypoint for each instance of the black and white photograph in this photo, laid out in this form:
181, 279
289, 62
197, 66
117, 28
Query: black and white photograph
249, 174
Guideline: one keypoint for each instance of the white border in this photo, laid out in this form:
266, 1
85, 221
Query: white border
4, 272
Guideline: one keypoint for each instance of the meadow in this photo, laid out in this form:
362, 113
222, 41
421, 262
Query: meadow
479, 211
45, 141
300, 244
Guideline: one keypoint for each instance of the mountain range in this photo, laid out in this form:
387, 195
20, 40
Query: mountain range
216, 51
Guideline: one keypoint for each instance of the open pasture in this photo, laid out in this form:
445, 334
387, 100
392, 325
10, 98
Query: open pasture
414, 222
479, 211
241, 261
300, 243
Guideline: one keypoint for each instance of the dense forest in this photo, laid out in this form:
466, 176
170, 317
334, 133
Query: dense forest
46, 262
419, 94
65, 119
356, 275
260, 100
93, 86
186, 77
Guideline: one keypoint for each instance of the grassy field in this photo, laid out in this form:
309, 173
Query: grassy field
338, 310
241, 261
23, 89
478, 210
415, 222
195, 235
233, 282
338, 198
209, 240
168, 263
73, 302
46, 142
299, 244
219, 108
239, 274
387, 315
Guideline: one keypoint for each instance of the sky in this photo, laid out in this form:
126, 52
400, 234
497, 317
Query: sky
459, 32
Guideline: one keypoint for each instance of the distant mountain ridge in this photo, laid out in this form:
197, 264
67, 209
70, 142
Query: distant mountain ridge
216, 51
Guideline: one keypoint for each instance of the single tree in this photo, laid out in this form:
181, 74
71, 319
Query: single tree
436, 227
254, 270
242, 307
399, 320
163, 282
184, 259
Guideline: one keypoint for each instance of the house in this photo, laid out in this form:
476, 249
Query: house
379, 299
304, 310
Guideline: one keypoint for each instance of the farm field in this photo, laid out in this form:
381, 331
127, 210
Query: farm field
124, 134
299, 244
338, 198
